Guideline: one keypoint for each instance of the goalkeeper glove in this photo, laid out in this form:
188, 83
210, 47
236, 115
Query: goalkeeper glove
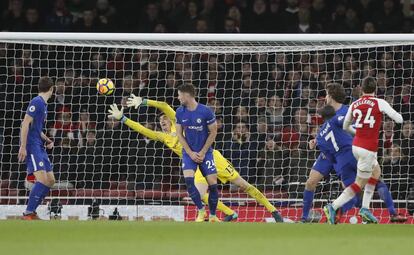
135, 101
115, 113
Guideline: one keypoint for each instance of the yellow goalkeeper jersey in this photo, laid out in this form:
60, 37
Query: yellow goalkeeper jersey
225, 170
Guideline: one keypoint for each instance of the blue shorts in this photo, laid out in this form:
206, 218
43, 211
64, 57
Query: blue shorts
207, 167
345, 168
323, 165
37, 159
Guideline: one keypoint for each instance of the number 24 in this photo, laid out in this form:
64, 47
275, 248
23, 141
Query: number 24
367, 120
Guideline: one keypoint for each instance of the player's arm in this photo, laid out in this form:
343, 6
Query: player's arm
24, 130
347, 126
386, 108
134, 101
212, 128
194, 156
49, 142
162, 106
118, 114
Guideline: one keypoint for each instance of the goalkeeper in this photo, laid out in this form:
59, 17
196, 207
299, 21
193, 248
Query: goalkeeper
225, 170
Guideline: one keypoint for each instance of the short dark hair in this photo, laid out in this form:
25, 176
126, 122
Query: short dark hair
187, 88
337, 92
369, 85
45, 83
327, 112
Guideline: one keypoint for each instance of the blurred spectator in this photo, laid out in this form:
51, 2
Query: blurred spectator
242, 151
32, 21
389, 17
149, 19
258, 20
407, 139
60, 20
270, 161
89, 22
396, 171
13, 17
274, 111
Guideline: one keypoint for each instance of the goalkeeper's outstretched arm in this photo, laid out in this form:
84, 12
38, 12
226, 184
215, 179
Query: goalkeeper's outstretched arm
118, 114
135, 102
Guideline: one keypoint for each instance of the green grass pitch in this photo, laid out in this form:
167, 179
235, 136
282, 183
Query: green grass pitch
119, 238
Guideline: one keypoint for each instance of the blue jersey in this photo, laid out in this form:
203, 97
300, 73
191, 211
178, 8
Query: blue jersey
37, 110
195, 125
333, 141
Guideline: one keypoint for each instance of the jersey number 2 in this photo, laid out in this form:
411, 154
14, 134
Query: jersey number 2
370, 120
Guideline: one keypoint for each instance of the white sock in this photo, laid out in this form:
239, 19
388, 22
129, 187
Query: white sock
368, 194
345, 196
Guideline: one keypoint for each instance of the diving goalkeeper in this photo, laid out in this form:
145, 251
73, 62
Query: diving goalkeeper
225, 170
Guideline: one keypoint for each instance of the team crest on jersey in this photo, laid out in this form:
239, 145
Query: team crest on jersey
341, 118
199, 120
32, 108
41, 163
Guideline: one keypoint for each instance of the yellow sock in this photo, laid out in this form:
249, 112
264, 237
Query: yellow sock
220, 206
260, 198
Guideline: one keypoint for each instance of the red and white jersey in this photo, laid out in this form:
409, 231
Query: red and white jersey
366, 113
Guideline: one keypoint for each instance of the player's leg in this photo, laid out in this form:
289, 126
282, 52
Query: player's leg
253, 192
37, 164
310, 187
208, 169
189, 167
320, 169
385, 195
202, 187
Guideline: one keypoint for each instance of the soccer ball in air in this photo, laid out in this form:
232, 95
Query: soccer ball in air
105, 87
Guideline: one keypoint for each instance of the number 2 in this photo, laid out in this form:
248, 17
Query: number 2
210, 164
331, 136
367, 120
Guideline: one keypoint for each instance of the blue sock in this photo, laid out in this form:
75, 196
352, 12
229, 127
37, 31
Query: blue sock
38, 192
193, 192
385, 195
212, 199
351, 203
307, 203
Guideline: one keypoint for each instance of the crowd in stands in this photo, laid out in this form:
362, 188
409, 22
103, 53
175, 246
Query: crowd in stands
265, 103
203, 16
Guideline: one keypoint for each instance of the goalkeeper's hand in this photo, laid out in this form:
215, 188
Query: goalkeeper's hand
134, 101
115, 113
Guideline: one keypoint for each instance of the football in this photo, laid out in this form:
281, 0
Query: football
105, 87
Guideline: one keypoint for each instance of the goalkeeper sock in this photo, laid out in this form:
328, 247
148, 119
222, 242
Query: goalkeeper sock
307, 203
369, 192
260, 198
213, 199
38, 192
348, 193
220, 206
193, 192
385, 196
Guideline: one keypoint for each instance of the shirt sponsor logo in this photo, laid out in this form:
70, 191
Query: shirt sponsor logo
197, 128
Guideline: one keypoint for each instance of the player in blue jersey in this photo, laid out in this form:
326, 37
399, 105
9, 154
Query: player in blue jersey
32, 147
336, 154
196, 130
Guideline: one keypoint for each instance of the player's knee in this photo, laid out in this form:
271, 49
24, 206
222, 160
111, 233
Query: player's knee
311, 184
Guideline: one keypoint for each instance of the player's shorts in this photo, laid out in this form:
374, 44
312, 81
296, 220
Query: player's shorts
323, 165
366, 161
207, 167
37, 159
225, 170
348, 174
